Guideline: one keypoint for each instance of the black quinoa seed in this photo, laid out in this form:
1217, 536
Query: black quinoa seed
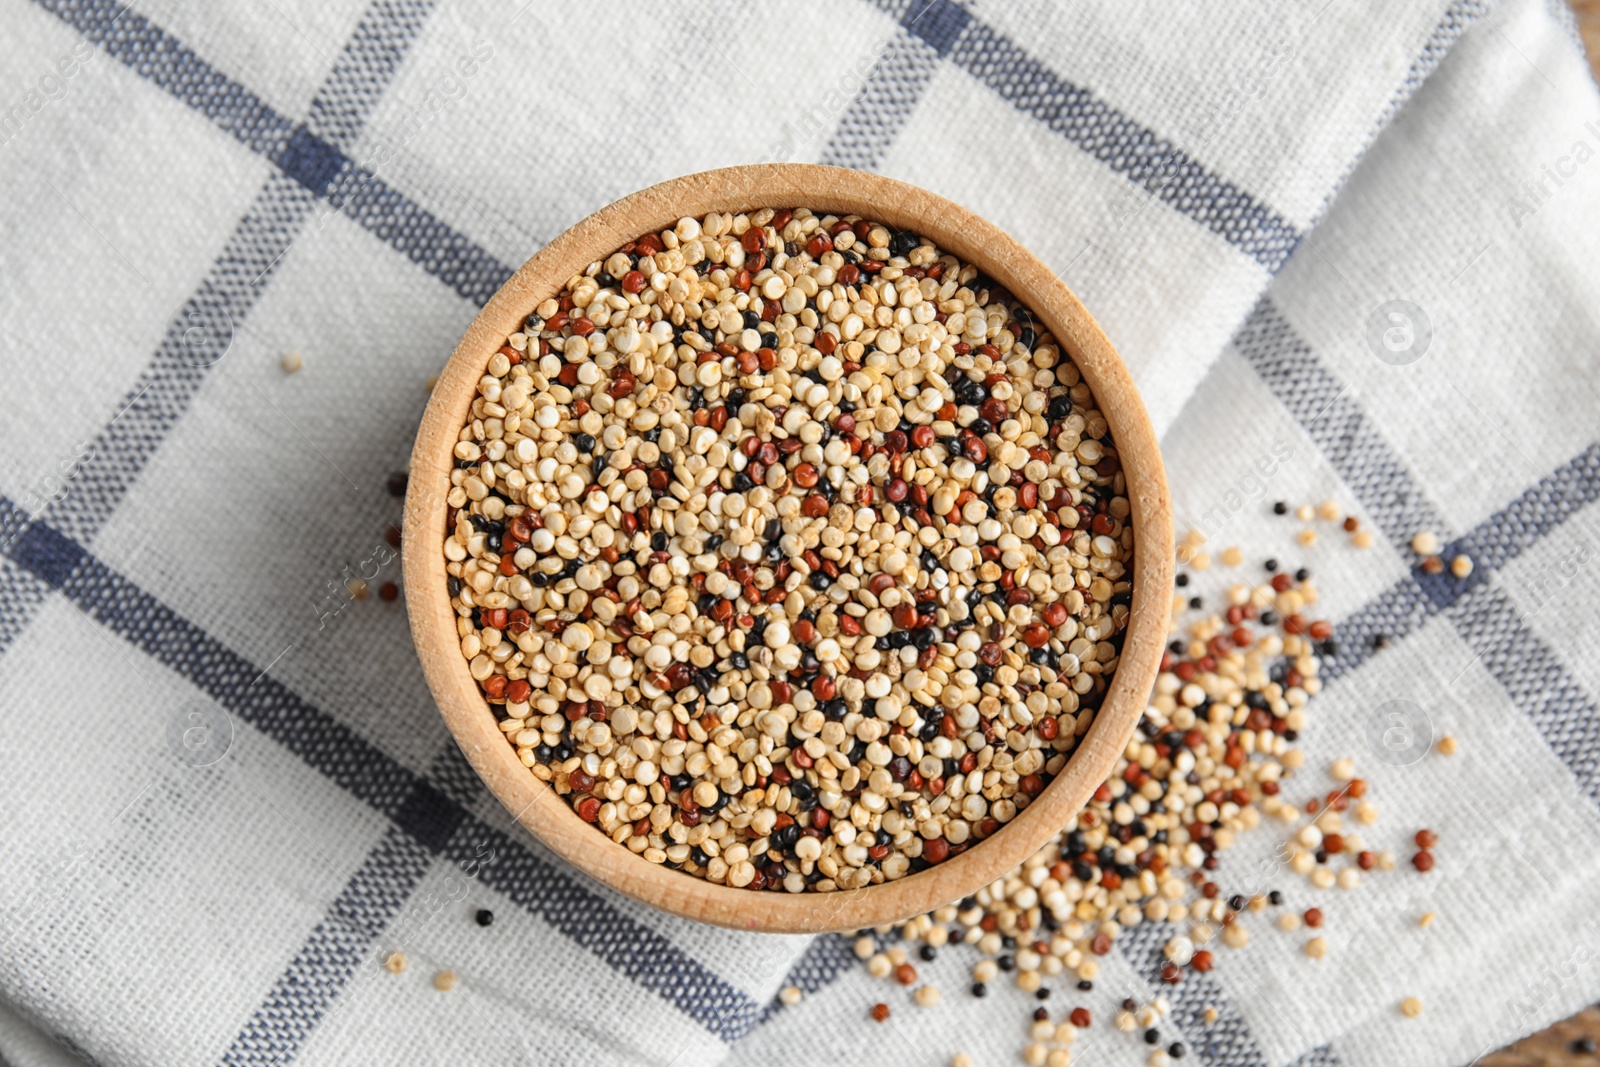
484, 917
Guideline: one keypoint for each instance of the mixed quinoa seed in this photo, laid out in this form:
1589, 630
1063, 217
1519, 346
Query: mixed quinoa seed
791, 550
1212, 759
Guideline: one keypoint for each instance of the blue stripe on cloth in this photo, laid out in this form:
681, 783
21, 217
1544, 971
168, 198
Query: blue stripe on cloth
1542, 507
430, 815
1398, 612
52, 558
884, 105
1534, 678
319, 972
824, 960
1456, 20
1228, 1040
941, 29
365, 67
311, 161
631, 948
1321, 1056
926, 32
1335, 422
937, 22
453, 776
408, 228
21, 596
324, 743
22, 592
162, 59
1125, 146
313, 153
160, 396
1530, 672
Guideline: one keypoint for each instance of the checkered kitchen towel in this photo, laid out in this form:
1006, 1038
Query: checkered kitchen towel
1348, 247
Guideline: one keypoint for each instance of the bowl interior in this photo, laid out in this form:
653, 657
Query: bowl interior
952, 228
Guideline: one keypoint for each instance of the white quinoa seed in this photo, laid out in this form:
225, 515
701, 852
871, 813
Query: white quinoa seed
291, 362
789, 550
395, 962
1425, 543
444, 981
1411, 1007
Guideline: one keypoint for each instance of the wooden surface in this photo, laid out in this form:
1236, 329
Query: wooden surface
952, 228
1554, 1047
1589, 24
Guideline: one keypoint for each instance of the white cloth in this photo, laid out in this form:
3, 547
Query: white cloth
225, 794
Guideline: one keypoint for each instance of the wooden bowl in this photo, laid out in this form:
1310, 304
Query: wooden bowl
952, 228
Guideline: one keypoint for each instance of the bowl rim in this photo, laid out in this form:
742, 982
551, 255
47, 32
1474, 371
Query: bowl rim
532, 802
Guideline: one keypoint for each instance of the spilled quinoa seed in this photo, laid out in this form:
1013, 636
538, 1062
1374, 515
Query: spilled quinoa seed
793, 552
1213, 758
